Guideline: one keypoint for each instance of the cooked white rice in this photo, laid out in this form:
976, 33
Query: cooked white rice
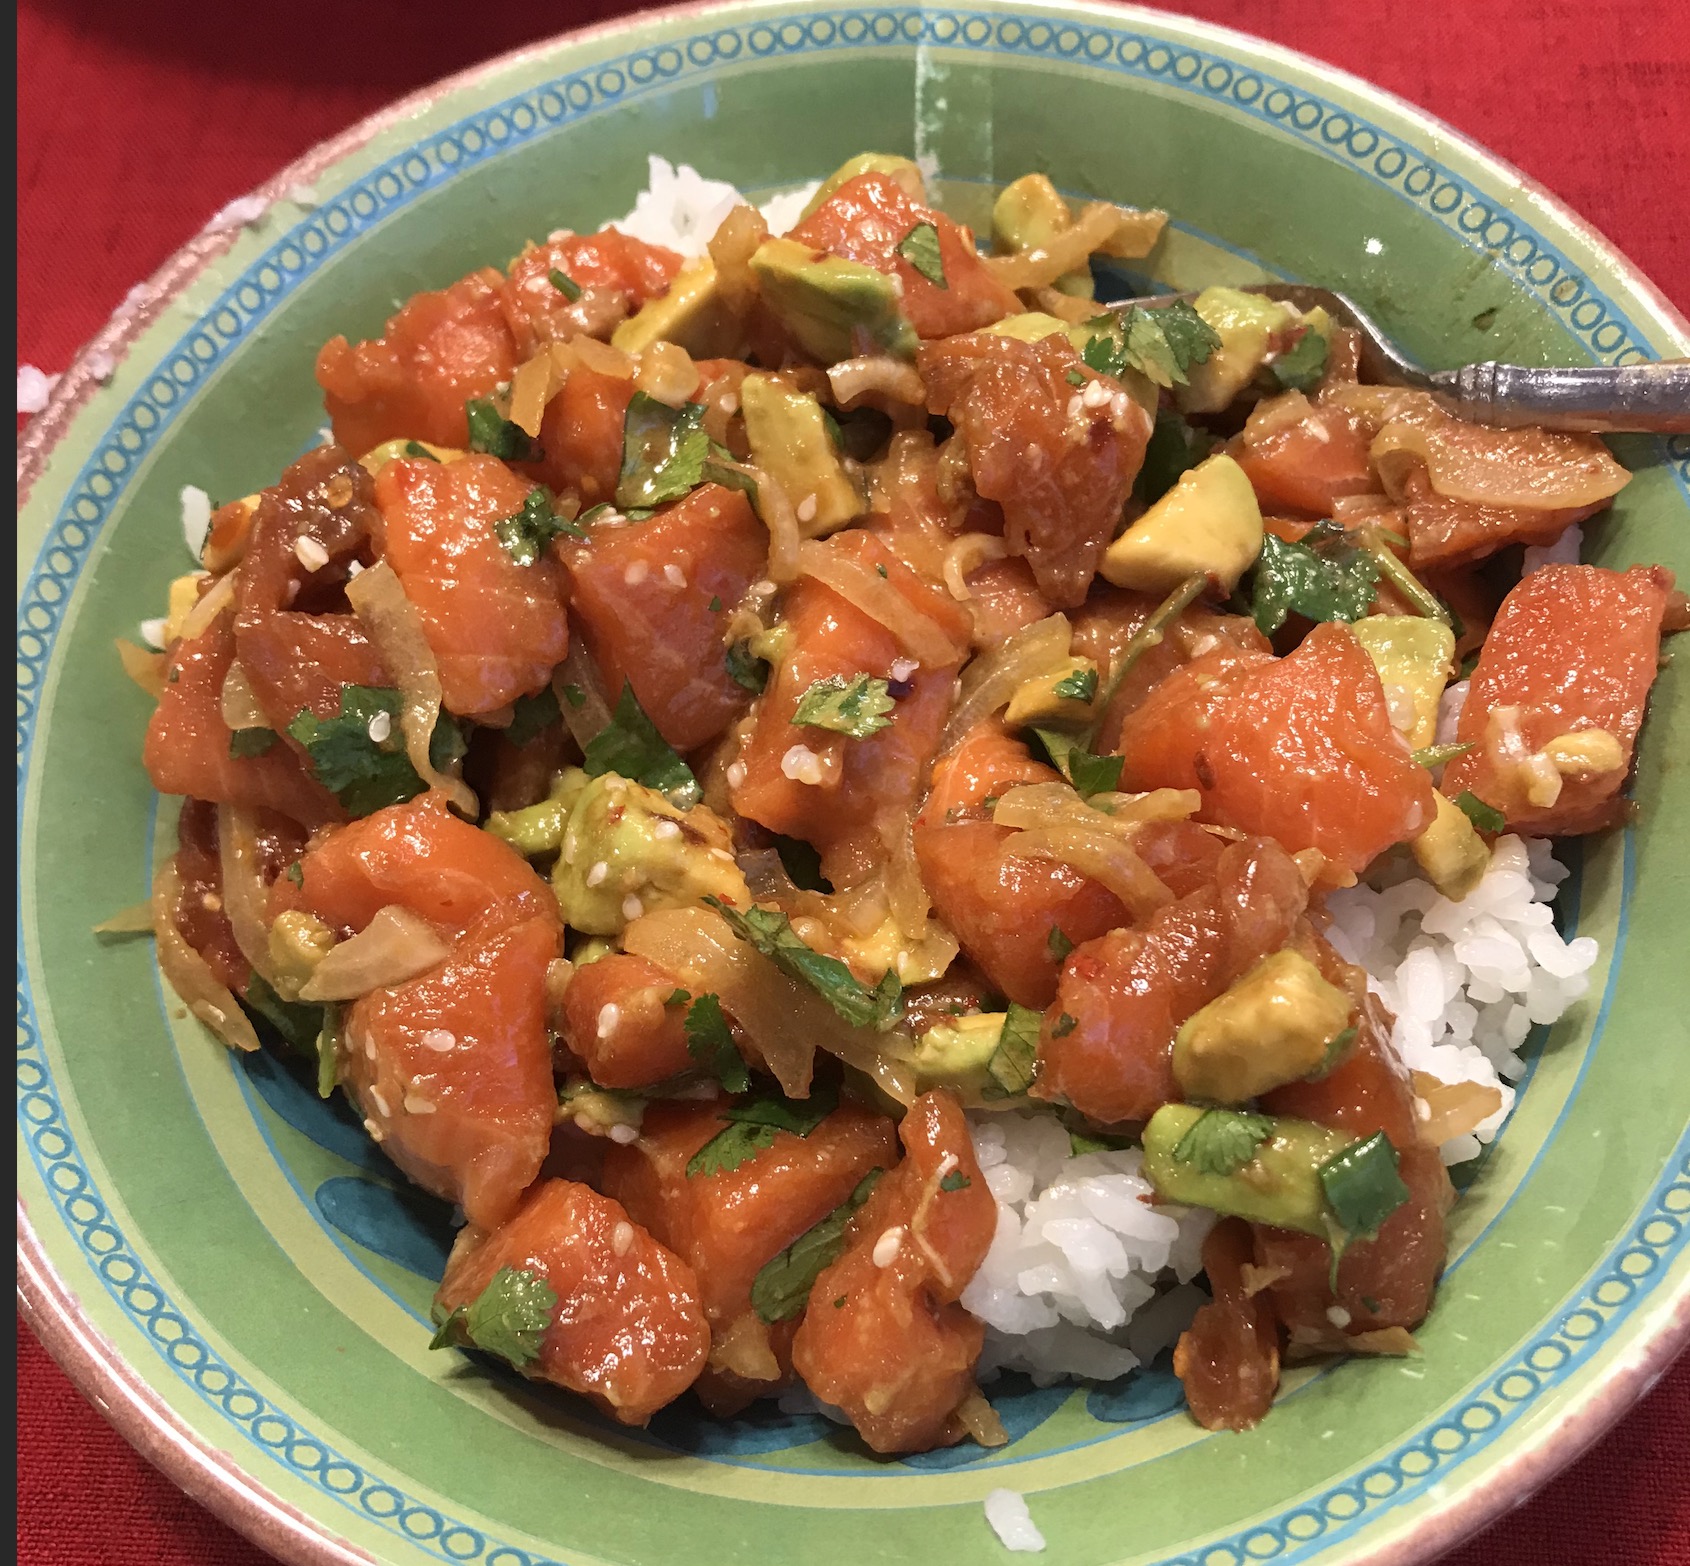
682, 209
1006, 1511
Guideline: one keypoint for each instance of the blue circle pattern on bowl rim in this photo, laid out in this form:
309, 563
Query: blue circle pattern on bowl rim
1581, 1326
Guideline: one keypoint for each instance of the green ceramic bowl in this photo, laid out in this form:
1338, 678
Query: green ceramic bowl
238, 1278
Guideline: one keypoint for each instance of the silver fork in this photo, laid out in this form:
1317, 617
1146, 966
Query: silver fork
1651, 397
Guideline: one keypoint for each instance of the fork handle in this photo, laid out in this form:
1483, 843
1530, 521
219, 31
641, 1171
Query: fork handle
1651, 397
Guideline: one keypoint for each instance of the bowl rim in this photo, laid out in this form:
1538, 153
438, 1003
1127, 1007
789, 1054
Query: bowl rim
214, 1477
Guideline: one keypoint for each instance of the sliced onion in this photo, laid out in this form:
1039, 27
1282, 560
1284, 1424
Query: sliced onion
189, 973
878, 375
212, 603
1100, 855
774, 509
864, 588
1136, 231
128, 921
745, 1350
667, 373
533, 386
906, 894
731, 248
1067, 307
394, 947
968, 553
1457, 1108
992, 678
786, 1021
579, 676
603, 359
1070, 250
145, 667
980, 1420
239, 703
1525, 469
396, 630
1275, 414
245, 896
1036, 806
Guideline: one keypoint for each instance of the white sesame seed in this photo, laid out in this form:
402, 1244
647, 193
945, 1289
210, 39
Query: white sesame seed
763, 588
674, 575
1318, 430
805, 510
886, 1248
1204, 644
439, 1040
310, 554
211, 902
632, 908
569, 846
380, 1103
595, 876
802, 765
666, 829
370, 1046
381, 726
736, 774
610, 1014
415, 1104
636, 573
728, 402
621, 1237
376, 1132
1075, 407
903, 668
1096, 393
622, 1135
1338, 1316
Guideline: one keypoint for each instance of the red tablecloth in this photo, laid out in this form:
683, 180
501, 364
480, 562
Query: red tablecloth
136, 122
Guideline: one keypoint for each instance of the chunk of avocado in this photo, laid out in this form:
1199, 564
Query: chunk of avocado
789, 438
1275, 1025
690, 312
590, 948
1209, 521
183, 594
956, 1052
1280, 1186
836, 309
1246, 323
1029, 213
297, 942
1033, 326
1414, 655
538, 829
377, 457
598, 1111
914, 961
1450, 851
626, 851
1039, 701
904, 170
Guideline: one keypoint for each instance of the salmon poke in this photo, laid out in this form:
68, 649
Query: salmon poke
871, 821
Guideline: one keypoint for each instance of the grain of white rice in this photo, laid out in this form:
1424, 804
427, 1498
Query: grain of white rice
1564, 551
35, 387
1006, 1511
682, 209
196, 518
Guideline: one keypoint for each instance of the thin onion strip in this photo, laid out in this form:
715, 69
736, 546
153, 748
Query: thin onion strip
217, 598
774, 509
133, 920
145, 667
244, 893
866, 589
877, 375
189, 974
968, 553
1039, 806
995, 676
393, 948
1067, 252
239, 702
396, 630
1113, 864
579, 688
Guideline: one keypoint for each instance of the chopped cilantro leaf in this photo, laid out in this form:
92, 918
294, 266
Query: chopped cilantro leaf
752, 1126
509, 1317
1161, 343
1081, 685
782, 1286
677, 997
564, 284
1223, 1141
362, 773
415, 448
1438, 755
250, 742
802, 863
1301, 366
1088, 773
296, 872
920, 247
956, 1180
1063, 1026
526, 534
1057, 943
490, 431
1174, 447
1486, 818
532, 716
446, 742
711, 1044
715, 605
631, 747
1015, 1062
745, 668
1082, 1142
1325, 577
771, 933
1075, 378
1363, 1187
664, 451
1336, 1049
328, 1052
857, 707
298, 1026
575, 696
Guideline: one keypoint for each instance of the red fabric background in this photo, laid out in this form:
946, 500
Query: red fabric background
136, 122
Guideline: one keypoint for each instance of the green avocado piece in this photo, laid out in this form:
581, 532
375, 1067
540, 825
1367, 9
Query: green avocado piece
625, 845
690, 312
1280, 1185
1029, 213
789, 439
1246, 323
836, 309
956, 1052
905, 171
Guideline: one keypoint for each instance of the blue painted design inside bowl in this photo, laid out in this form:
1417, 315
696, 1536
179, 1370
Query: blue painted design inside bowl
1618, 1286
